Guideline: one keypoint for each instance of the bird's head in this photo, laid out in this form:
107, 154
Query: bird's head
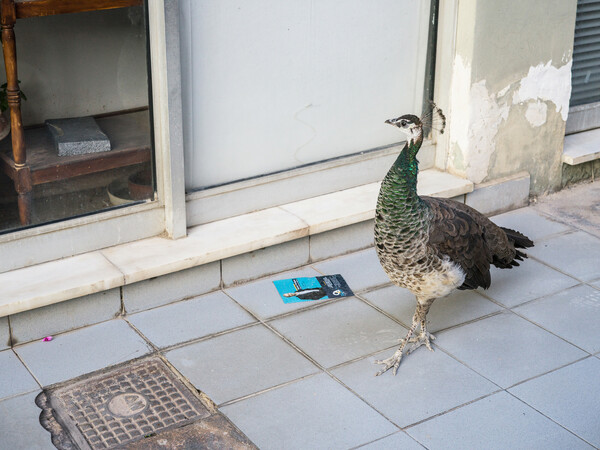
414, 127
410, 125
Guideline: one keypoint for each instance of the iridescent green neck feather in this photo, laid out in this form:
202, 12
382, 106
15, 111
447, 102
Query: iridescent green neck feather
406, 167
399, 187
400, 213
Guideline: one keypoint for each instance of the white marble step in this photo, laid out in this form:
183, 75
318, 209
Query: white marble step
581, 147
56, 281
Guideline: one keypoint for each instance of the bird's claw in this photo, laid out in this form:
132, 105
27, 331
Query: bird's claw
424, 338
389, 363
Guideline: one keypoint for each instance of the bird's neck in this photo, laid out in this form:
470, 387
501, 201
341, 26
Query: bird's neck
403, 173
398, 195
406, 166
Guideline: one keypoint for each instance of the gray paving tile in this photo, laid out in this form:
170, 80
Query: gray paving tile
573, 314
190, 319
499, 421
573, 403
530, 223
399, 440
575, 254
528, 281
314, 413
433, 380
361, 270
20, 427
507, 349
14, 377
340, 331
456, 308
577, 205
261, 296
239, 363
81, 351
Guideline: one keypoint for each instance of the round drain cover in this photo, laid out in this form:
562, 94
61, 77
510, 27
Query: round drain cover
128, 404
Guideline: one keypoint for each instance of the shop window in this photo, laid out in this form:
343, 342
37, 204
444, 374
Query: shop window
86, 115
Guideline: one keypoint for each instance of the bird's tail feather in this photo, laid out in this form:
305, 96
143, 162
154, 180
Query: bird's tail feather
519, 239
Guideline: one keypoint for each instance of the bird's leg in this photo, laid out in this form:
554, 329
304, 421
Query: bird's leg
423, 338
394, 360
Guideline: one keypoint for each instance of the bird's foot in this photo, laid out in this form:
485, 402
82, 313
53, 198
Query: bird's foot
391, 362
424, 338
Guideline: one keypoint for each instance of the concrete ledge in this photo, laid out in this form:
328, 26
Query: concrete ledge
581, 147
500, 195
56, 281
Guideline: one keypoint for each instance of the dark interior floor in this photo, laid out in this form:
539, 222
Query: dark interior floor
68, 198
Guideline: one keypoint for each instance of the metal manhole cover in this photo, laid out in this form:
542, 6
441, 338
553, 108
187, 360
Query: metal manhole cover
121, 406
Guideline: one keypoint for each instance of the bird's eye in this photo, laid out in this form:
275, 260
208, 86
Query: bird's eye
403, 123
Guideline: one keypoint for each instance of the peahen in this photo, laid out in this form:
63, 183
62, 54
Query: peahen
432, 246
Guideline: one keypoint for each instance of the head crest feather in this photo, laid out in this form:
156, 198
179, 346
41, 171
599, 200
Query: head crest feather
433, 118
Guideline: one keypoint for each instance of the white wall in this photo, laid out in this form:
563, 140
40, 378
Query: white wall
269, 85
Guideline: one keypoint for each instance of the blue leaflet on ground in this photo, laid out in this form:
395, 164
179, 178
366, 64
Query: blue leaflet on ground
304, 289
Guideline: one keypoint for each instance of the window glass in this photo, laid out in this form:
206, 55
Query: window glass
86, 118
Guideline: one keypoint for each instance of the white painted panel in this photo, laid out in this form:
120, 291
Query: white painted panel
270, 85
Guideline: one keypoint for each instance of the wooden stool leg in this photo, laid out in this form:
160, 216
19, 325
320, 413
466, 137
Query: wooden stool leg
24, 203
24, 187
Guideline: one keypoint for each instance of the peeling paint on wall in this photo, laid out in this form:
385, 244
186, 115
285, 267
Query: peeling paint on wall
486, 117
548, 83
461, 82
536, 113
475, 136
479, 114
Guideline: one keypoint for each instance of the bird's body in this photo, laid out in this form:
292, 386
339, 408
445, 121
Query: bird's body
432, 246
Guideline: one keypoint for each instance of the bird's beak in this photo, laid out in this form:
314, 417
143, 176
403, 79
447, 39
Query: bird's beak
389, 121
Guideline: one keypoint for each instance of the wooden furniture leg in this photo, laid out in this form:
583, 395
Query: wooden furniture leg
22, 180
24, 188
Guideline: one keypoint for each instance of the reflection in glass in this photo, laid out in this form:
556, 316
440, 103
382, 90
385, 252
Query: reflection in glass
87, 122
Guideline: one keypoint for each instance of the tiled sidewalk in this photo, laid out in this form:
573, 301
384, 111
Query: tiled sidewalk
516, 366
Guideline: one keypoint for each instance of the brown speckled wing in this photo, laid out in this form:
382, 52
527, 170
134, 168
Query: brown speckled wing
458, 234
